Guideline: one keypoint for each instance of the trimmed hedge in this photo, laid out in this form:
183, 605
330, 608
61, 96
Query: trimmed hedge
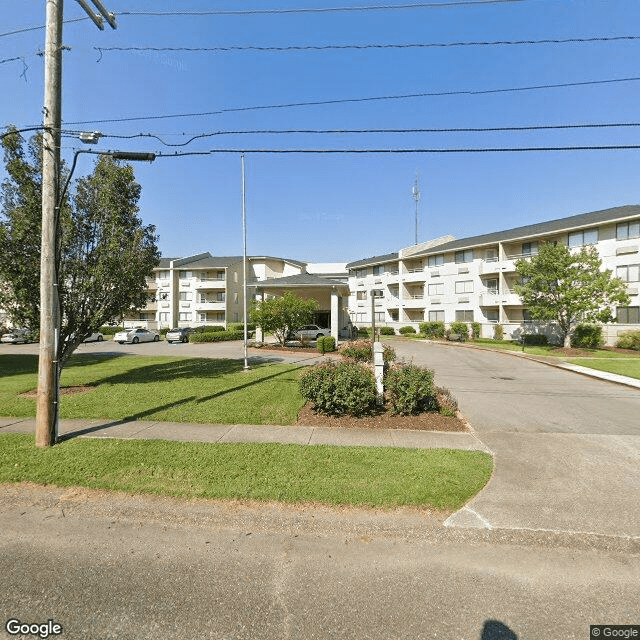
432, 329
387, 331
209, 328
108, 330
216, 336
498, 332
460, 328
629, 340
405, 330
326, 344
476, 328
344, 388
410, 390
587, 335
362, 351
239, 326
535, 339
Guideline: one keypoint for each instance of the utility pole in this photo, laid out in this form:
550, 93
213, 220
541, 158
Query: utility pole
49, 309
244, 265
46, 407
416, 197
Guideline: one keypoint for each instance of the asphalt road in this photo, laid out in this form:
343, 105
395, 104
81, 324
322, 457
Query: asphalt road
113, 567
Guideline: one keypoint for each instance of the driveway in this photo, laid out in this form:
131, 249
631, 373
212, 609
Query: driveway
566, 447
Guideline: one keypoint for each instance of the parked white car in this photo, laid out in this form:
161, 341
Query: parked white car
136, 335
94, 337
310, 332
16, 336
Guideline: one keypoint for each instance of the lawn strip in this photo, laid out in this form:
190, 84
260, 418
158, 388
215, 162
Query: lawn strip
441, 479
623, 367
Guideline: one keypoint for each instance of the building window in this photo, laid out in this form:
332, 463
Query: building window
464, 256
464, 286
218, 317
235, 276
628, 315
360, 317
220, 275
235, 298
628, 272
529, 248
491, 315
379, 316
202, 298
185, 296
491, 255
492, 285
361, 273
163, 275
185, 275
184, 316
626, 230
163, 317
235, 316
436, 289
436, 316
464, 315
163, 295
220, 296
361, 295
580, 238
526, 315
435, 261
377, 293
378, 271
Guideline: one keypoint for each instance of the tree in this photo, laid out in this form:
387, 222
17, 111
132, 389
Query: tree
568, 287
104, 251
283, 315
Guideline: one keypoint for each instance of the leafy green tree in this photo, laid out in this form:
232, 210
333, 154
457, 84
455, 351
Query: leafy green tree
104, 251
283, 315
568, 287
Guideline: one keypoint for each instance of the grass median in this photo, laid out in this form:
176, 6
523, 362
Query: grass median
630, 367
168, 389
440, 479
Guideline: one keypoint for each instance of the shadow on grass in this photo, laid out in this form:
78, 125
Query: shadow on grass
19, 364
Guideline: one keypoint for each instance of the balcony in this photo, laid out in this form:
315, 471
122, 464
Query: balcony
491, 298
414, 275
415, 301
210, 283
211, 306
150, 306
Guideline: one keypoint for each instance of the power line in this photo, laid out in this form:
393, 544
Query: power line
383, 7
363, 131
341, 47
469, 92
27, 29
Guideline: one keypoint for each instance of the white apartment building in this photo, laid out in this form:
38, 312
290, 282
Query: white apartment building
471, 279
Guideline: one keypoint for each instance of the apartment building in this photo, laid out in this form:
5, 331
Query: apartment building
472, 279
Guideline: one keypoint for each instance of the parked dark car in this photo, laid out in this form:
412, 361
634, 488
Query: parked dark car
179, 334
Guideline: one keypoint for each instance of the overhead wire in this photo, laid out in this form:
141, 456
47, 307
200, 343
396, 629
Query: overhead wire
39, 27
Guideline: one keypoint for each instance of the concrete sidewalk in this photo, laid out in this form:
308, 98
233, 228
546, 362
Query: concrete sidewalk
182, 432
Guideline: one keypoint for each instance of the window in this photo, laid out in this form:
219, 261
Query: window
185, 275
235, 276
360, 317
492, 285
526, 315
464, 315
163, 275
185, 296
202, 298
531, 248
378, 271
235, 298
361, 273
220, 296
435, 261
629, 272
379, 316
626, 230
491, 315
218, 317
580, 238
491, 255
164, 316
220, 275
628, 315
361, 295
184, 316
377, 293
163, 295
464, 256
436, 289
464, 286
436, 316
235, 316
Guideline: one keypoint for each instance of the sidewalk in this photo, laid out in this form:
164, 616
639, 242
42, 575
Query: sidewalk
184, 432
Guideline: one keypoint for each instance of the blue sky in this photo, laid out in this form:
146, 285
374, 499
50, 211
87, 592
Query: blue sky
345, 207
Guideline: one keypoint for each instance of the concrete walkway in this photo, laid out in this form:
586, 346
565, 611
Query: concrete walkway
252, 433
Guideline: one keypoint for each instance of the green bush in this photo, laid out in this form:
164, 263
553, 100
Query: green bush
387, 331
629, 340
363, 332
460, 328
216, 336
405, 330
209, 328
108, 330
447, 404
587, 335
163, 332
476, 328
239, 326
498, 332
338, 389
410, 390
362, 351
326, 344
432, 329
535, 339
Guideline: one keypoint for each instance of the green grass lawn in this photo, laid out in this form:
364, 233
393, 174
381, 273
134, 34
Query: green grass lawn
507, 345
630, 367
170, 389
441, 479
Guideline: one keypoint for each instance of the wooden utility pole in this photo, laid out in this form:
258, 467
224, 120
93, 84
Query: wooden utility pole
49, 305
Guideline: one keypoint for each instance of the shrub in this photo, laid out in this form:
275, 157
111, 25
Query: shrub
325, 344
216, 336
362, 351
239, 326
432, 329
447, 404
587, 335
387, 331
410, 390
209, 328
108, 330
344, 388
476, 328
460, 328
363, 332
163, 332
406, 330
535, 339
498, 332
629, 340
